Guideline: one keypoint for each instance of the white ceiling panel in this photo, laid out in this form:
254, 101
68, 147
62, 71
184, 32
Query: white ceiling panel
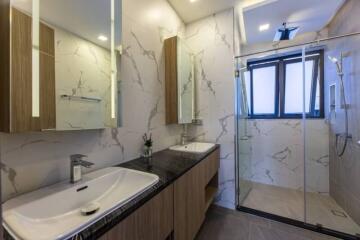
309, 15
191, 11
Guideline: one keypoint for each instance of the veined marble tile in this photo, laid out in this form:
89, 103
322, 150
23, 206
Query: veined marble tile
211, 39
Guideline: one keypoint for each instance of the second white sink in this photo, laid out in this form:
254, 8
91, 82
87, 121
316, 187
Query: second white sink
194, 147
55, 212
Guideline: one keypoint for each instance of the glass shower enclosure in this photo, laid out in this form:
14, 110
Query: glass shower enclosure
297, 135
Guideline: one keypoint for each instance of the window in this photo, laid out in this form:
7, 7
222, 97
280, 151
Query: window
275, 87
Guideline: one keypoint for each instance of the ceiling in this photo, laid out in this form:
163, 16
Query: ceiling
85, 18
309, 15
192, 11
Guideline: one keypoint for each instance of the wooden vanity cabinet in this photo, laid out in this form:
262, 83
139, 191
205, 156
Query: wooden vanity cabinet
189, 203
16, 82
193, 194
177, 212
152, 221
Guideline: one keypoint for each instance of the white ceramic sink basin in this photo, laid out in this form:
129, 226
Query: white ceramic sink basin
55, 212
194, 147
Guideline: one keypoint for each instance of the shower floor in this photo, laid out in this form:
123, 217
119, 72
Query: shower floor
289, 203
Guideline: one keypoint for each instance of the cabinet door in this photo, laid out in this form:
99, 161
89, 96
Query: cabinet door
171, 81
189, 204
153, 221
211, 165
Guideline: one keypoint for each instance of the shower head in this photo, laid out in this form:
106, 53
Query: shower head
337, 63
333, 59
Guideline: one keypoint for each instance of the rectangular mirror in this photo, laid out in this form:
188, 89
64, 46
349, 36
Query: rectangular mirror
74, 61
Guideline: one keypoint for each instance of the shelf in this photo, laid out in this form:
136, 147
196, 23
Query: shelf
80, 98
210, 193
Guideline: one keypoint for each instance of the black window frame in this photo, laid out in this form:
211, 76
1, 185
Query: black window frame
280, 63
276, 102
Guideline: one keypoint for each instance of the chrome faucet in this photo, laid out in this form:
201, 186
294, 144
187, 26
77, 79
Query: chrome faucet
76, 164
184, 139
184, 136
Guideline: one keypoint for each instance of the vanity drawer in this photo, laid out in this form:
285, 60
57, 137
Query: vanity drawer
211, 165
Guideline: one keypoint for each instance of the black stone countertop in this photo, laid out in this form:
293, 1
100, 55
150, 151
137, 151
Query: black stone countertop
168, 165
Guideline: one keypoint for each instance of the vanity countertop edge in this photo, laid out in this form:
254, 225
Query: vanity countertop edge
167, 164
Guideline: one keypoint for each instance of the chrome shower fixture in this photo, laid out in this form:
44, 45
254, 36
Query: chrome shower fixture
338, 64
345, 136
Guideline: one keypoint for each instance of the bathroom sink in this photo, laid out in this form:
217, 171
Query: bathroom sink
194, 147
57, 212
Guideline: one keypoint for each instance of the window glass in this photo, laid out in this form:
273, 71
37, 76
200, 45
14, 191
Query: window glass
318, 95
264, 86
294, 87
247, 77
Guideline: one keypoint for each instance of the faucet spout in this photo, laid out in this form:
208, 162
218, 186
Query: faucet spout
76, 164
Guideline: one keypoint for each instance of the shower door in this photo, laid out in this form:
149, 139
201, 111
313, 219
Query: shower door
332, 166
270, 153
290, 164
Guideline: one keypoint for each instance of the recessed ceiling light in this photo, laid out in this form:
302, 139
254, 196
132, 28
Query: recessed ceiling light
192, 1
102, 38
264, 27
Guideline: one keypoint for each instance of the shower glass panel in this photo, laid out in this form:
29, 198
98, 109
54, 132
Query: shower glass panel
298, 115
270, 144
243, 146
332, 163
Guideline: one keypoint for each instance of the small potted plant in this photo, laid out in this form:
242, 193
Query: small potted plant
148, 144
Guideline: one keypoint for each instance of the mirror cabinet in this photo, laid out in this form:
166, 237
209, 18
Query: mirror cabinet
179, 82
59, 71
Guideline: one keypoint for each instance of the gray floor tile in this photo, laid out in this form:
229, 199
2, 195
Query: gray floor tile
226, 224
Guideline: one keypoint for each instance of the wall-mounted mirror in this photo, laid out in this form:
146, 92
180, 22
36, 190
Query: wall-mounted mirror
73, 59
179, 81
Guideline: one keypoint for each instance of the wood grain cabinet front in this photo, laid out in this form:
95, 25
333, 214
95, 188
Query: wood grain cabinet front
193, 194
177, 212
189, 204
152, 221
16, 84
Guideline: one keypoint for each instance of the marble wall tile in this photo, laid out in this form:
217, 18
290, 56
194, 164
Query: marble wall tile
211, 39
33, 160
276, 156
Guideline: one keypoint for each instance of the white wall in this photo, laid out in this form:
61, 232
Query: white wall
33, 160
212, 41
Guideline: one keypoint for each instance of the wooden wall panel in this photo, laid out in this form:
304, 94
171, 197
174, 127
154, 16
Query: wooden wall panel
5, 66
152, 221
171, 91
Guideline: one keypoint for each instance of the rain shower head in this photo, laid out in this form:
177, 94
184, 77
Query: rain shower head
285, 33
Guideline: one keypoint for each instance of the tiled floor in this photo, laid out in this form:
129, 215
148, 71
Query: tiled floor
226, 224
289, 203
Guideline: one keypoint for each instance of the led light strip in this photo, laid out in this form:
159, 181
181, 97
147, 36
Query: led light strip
35, 58
113, 62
